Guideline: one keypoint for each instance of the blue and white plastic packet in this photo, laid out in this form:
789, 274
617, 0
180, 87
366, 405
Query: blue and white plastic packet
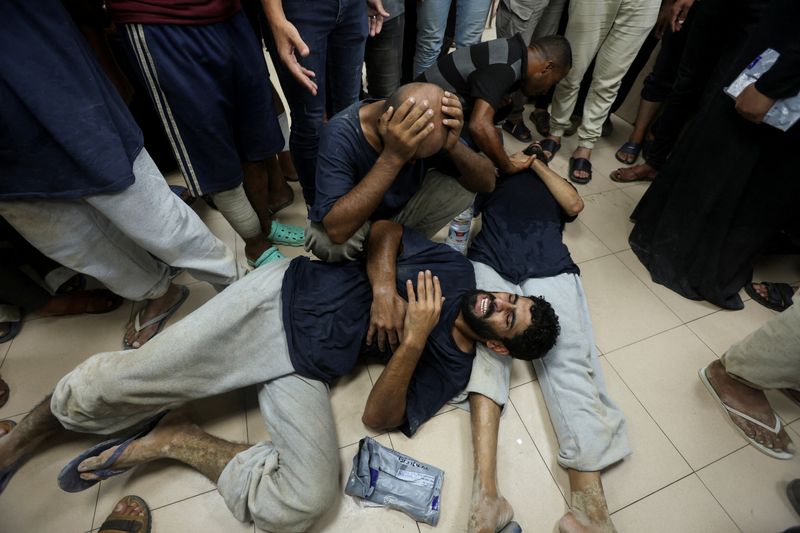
384, 477
784, 112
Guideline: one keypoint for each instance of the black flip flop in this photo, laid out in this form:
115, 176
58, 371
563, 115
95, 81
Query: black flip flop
70, 480
630, 148
541, 121
793, 493
6, 392
577, 164
13, 331
779, 295
549, 145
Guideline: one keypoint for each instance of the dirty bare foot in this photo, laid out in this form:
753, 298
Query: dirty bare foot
151, 310
753, 402
489, 514
588, 511
155, 445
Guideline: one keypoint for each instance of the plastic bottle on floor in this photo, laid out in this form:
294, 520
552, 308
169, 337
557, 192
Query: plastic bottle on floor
458, 234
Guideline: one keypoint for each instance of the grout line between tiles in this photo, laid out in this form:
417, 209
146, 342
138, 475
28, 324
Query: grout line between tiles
183, 499
654, 492
735, 523
641, 340
649, 414
96, 503
547, 466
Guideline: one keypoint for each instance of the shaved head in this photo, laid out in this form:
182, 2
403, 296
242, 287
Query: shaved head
422, 92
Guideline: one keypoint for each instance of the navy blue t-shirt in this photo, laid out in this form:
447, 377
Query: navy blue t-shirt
326, 310
521, 230
345, 157
64, 130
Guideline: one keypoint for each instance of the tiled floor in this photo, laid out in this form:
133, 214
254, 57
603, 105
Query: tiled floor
690, 471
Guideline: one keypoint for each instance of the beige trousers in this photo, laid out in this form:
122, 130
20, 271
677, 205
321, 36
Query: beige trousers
614, 30
769, 358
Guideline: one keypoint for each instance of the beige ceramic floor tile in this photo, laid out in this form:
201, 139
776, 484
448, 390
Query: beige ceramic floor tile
582, 243
521, 372
654, 463
683, 307
623, 309
752, 488
685, 506
164, 482
349, 515
206, 512
48, 348
635, 189
34, 502
607, 215
348, 398
787, 409
523, 479
662, 372
724, 328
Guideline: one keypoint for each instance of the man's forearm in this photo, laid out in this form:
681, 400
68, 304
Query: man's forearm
565, 194
386, 404
352, 210
476, 171
383, 247
487, 138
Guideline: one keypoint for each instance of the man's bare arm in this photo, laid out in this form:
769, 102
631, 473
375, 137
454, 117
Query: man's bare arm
388, 308
402, 131
563, 191
476, 172
486, 136
386, 405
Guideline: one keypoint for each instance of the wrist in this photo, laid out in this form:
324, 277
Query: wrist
392, 159
383, 289
414, 341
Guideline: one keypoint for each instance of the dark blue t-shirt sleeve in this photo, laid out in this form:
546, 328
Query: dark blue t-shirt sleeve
336, 174
427, 392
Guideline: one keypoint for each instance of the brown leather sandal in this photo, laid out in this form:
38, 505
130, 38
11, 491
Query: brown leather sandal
126, 523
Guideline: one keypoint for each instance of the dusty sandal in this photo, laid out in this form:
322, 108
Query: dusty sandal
125, 522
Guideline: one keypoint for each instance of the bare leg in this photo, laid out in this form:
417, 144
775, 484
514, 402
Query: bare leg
279, 190
588, 510
287, 165
37, 427
256, 186
490, 511
177, 438
647, 110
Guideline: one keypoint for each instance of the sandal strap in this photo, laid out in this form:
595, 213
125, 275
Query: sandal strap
286, 234
118, 524
630, 147
779, 293
775, 429
166, 314
270, 254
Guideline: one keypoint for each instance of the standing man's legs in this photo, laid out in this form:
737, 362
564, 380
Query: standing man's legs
110, 237
471, 18
384, 58
632, 24
431, 23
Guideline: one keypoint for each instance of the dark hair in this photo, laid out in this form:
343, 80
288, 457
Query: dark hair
555, 48
541, 335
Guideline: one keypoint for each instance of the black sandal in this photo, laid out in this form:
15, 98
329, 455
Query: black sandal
549, 145
541, 121
779, 295
580, 164
518, 130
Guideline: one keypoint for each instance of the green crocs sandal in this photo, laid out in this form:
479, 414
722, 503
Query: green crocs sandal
287, 234
270, 254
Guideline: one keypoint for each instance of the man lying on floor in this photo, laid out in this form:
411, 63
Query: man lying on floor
291, 327
519, 249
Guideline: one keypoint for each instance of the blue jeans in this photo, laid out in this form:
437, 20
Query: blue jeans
431, 23
336, 33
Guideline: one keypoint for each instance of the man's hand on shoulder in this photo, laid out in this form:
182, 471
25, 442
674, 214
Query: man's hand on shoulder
424, 309
403, 129
454, 121
387, 318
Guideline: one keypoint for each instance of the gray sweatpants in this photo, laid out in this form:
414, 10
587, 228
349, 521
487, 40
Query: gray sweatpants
235, 340
769, 358
437, 202
114, 237
589, 426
